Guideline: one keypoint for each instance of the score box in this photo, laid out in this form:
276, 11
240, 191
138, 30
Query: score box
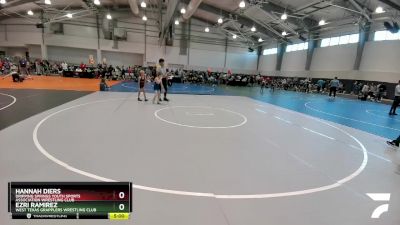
70, 200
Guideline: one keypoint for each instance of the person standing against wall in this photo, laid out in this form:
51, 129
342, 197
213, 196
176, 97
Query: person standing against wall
396, 100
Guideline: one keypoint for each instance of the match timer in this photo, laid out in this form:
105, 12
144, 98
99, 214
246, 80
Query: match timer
70, 200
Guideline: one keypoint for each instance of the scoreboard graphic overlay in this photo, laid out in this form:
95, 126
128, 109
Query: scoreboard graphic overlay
70, 200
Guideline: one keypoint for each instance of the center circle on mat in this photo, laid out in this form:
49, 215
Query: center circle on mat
333, 185
203, 117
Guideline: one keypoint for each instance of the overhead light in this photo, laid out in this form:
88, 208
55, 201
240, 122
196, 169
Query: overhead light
183, 10
30, 13
253, 29
3, 1
284, 16
220, 20
284, 33
322, 22
143, 4
176, 22
69, 15
109, 17
96, 2
379, 9
207, 30
260, 40
144, 18
242, 4
47, 2
234, 36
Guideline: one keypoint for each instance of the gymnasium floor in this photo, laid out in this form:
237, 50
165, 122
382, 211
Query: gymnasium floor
211, 156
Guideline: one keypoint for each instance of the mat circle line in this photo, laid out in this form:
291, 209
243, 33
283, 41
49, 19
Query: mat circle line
12, 103
338, 183
200, 127
307, 105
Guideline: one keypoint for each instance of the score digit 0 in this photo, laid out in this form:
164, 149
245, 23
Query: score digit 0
121, 195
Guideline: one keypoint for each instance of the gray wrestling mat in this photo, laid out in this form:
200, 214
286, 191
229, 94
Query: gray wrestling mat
212, 160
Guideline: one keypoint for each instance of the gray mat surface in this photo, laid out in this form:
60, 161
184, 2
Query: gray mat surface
219, 145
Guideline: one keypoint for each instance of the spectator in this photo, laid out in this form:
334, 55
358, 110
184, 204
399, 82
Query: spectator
372, 91
320, 85
354, 88
123, 71
1, 66
364, 92
23, 66
381, 92
82, 66
334, 84
396, 100
110, 72
64, 66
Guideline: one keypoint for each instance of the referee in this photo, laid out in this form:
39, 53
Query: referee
163, 72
